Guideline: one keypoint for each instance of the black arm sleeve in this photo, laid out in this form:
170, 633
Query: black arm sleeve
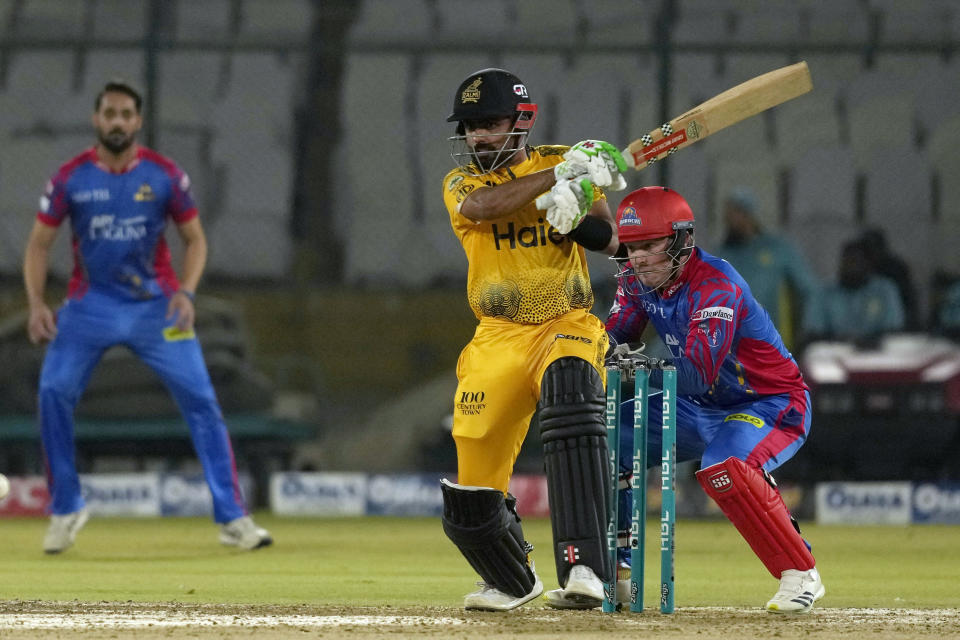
592, 233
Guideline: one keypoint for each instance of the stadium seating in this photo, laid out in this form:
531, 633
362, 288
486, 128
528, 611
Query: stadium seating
115, 20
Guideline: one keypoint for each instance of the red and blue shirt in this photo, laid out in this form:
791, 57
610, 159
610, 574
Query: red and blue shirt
722, 341
118, 221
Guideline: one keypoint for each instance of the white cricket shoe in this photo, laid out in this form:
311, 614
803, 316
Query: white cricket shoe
243, 533
492, 599
63, 530
798, 591
557, 599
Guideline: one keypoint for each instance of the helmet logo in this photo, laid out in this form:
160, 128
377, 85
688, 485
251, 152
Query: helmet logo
472, 92
520, 90
630, 218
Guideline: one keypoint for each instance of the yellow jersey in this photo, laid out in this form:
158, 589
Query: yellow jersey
520, 267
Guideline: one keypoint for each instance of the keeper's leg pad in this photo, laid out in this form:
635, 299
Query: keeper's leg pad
484, 525
756, 509
574, 436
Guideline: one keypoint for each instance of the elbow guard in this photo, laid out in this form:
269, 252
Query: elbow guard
592, 234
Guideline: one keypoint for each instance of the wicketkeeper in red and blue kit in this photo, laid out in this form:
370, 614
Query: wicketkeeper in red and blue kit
743, 408
118, 197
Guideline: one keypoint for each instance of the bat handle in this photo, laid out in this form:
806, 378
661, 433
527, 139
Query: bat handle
628, 157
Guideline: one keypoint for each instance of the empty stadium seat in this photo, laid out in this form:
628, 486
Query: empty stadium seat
189, 83
822, 205
51, 19
831, 72
924, 23
628, 24
41, 90
207, 21
459, 23
879, 114
258, 104
546, 21
249, 244
374, 95
391, 22
898, 198
804, 123
595, 98
267, 21
119, 19
837, 23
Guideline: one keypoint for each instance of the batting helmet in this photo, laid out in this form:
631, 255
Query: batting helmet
652, 212
489, 93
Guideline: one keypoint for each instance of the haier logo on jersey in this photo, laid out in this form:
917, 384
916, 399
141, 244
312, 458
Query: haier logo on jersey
528, 236
106, 227
723, 313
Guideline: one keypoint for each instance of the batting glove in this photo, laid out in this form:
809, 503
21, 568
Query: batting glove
599, 161
567, 203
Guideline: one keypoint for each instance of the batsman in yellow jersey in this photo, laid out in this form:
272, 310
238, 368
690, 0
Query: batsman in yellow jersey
537, 348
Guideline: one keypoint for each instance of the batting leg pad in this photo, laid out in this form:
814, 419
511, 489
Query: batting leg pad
574, 436
754, 506
484, 525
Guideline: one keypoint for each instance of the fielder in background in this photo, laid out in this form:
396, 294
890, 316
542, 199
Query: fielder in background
536, 347
743, 408
118, 196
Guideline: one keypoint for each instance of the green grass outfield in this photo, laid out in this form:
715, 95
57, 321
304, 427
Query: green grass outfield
401, 562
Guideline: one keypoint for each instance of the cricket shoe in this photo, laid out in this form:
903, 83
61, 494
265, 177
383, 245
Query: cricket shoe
490, 598
583, 590
557, 599
63, 530
798, 591
243, 533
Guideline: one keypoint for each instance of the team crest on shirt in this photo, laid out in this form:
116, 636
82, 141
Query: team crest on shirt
144, 194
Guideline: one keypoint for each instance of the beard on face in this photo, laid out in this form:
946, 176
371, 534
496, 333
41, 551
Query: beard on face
116, 141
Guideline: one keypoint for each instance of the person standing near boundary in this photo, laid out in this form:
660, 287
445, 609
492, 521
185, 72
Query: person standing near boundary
743, 408
118, 196
537, 348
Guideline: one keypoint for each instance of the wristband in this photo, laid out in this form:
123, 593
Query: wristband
592, 234
190, 296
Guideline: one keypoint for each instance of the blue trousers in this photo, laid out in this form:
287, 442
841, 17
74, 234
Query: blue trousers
765, 432
86, 328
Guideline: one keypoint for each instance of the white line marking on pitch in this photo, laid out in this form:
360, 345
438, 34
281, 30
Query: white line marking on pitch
114, 621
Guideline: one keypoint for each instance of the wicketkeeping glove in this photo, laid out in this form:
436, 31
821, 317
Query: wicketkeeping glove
567, 203
599, 161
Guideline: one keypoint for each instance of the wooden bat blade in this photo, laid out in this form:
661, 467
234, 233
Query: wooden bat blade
719, 112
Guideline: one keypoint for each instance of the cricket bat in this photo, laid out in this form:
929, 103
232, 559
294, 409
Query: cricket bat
719, 112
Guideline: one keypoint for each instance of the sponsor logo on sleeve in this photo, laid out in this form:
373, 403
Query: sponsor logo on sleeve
721, 313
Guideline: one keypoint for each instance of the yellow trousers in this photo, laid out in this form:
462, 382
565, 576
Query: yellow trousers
499, 375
